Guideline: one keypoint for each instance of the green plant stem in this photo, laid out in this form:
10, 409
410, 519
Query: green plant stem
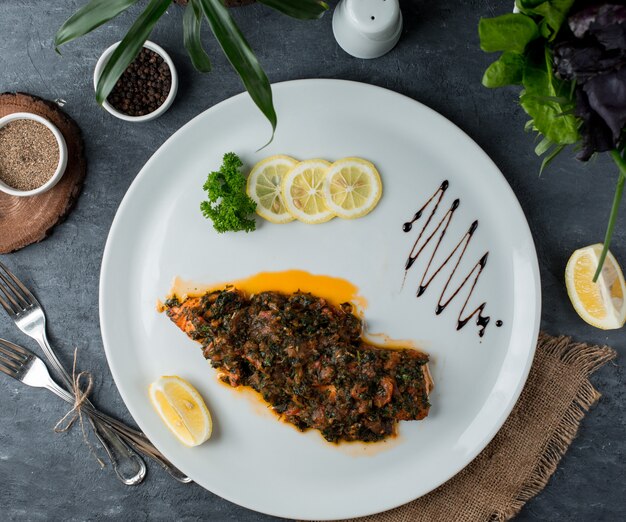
617, 198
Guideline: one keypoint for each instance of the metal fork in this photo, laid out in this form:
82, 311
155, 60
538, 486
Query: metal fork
35, 328
27, 314
24, 366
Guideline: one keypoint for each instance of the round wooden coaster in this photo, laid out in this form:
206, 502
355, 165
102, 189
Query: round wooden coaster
26, 220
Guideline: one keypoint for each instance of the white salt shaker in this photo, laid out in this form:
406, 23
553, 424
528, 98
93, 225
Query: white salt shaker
367, 28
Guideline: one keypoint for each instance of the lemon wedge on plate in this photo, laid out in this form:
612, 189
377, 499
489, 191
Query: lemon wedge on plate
303, 192
352, 187
182, 409
601, 304
264, 187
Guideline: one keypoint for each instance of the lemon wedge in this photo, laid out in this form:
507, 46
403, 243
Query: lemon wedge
601, 304
182, 409
352, 187
264, 187
303, 192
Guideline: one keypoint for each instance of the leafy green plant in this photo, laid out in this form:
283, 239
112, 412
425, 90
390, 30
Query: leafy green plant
570, 60
213, 12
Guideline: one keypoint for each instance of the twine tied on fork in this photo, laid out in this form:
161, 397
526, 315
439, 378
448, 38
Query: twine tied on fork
81, 397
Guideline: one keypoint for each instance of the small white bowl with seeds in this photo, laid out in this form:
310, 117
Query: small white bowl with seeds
33, 154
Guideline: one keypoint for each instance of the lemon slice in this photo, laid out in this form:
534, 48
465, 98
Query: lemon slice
264, 187
303, 193
182, 409
352, 187
601, 304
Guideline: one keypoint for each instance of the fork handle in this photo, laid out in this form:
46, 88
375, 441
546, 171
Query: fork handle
146, 448
126, 462
136, 438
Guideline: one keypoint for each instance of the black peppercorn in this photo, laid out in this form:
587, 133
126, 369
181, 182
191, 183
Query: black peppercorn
143, 86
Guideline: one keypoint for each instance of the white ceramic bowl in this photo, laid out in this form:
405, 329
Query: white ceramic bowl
60, 170
170, 97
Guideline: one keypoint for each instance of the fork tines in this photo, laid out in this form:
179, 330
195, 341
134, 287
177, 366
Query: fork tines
14, 296
12, 357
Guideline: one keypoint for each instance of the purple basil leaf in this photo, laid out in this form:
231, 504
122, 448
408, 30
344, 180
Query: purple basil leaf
595, 134
609, 27
605, 23
607, 97
580, 22
582, 59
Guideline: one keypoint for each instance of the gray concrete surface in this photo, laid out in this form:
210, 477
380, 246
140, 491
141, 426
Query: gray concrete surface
45, 476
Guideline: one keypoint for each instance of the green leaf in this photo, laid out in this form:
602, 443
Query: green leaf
192, 20
558, 99
507, 70
302, 9
548, 159
550, 118
554, 13
543, 146
509, 32
89, 17
240, 55
129, 47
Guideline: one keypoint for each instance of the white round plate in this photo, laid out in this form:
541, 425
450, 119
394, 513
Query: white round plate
159, 233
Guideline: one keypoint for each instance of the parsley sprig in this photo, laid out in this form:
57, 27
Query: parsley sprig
228, 204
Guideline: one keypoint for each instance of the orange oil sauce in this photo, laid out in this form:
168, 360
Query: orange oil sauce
334, 289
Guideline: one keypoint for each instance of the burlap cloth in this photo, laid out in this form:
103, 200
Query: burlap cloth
522, 457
